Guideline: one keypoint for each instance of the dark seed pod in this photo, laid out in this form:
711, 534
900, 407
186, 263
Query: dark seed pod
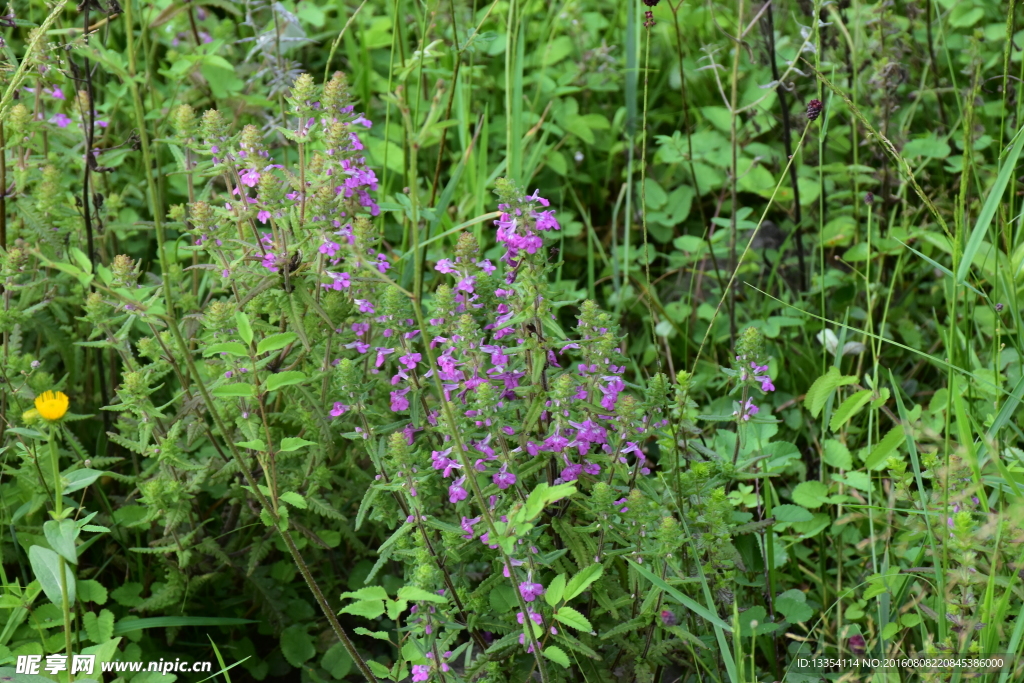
814, 108
651, 3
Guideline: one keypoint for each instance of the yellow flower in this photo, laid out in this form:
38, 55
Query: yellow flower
52, 406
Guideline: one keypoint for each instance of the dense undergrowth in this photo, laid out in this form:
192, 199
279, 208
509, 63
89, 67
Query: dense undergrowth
465, 341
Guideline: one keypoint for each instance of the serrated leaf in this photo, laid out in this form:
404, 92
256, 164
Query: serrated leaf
823, 387
555, 590
275, 342
417, 594
889, 443
836, 454
284, 379
379, 635
570, 617
367, 593
557, 655
850, 407
91, 590
294, 499
582, 580
371, 609
810, 494
99, 627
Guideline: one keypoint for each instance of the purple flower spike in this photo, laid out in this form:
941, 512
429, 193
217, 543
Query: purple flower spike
530, 591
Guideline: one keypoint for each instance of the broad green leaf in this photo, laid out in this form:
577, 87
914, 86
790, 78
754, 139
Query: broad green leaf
61, 537
416, 594
850, 407
232, 348
91, 590
99, 627
236, 390
881, 452
543, 495
294, 499
255, 445
822, 388
297, 645
46, 567
283, 379
79, 479
811, 494
582, 580
555, 590
791, 513
792, 604
367, 593
275, 342
292, 443
570, 617
244, 328
557, 655
836, 454
371, 609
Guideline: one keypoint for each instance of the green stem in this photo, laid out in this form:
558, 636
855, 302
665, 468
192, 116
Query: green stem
58, 504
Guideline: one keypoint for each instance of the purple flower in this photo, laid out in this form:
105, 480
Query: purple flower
467, 526
445, 266
398, 400
250, 177
56, 93
530, 592
263, 216
746, 410
339, 409
456, 492
620, 502
534, 616
270, 262
504, 478
329, 248
420, 673
410, 360
61, 120
668, 617
487, 266
365, 306
339, 281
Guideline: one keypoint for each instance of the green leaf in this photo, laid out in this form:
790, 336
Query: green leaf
791, 513
371, 609
377, 668
79, 479
544, 495
822, 388
792, 604
244, 328
555, 590
810, 494
275, 342
836, 454
46, 567
294, 499
297, 645
685, 600
379, 635
570, 617
850, 407
236, 390
890, 630
557, 655
337, 661
988, 211
232, 348
292, 443
91, 590
889, 443
367, 593
99, 627
582, 580
61, 537
130, 625
503, 599
284, 379
256, 445
416, 594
